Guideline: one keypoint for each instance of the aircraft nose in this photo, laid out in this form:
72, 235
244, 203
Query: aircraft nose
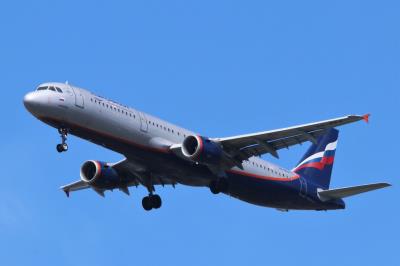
31, 101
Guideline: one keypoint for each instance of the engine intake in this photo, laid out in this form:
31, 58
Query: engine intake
201, 149
90, 171
99, 175
192, 146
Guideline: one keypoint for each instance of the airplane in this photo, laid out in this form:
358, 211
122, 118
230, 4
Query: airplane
159, 153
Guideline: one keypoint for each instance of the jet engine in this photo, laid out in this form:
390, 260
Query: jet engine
99, 175
201, 149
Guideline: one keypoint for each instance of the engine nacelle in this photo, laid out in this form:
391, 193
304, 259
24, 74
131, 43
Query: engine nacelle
201, 149
99, 175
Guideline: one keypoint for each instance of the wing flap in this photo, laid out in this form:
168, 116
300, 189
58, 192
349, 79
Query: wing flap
340, 193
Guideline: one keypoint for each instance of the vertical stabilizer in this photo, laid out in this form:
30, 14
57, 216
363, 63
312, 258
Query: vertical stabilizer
316, 165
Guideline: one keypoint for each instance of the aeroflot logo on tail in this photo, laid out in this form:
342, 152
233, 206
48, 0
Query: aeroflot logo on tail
319, 160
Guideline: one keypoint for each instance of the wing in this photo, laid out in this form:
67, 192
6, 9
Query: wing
74, 187
245, 146
130, 173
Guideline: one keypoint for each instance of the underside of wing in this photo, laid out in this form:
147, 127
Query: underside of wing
120, 175
78, 185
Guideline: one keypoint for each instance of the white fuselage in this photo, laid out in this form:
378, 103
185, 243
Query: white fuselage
78, 108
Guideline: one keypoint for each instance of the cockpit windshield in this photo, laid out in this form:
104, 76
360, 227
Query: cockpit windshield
51, 88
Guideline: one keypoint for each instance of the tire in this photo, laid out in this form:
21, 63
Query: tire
156, 201
147, 204
214, 188
60, 148
65, 147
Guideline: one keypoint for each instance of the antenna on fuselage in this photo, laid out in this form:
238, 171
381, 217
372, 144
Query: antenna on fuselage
66, 82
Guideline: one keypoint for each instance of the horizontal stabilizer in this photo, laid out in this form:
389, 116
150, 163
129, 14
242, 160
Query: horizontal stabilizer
340, 193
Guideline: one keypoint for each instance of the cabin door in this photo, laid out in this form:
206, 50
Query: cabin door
144, 126
303, 187
79, 101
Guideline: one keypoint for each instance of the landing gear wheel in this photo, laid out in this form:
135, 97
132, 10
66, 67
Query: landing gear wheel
218, 186
156, 201
147, 203
60, 148
214, 187
151, 202
65, 147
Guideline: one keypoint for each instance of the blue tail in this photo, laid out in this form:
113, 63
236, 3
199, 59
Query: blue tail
316, 165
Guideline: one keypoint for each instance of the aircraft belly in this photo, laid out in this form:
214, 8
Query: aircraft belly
274, 194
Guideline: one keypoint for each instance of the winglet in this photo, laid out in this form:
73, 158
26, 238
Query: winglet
366, 117
66, 192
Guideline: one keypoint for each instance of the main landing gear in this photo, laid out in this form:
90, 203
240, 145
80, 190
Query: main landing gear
219, 185
63, 146
153, 201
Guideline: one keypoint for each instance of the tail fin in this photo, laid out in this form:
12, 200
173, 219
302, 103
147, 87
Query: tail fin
316, 165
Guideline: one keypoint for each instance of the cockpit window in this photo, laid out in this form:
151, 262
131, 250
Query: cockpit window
43, 88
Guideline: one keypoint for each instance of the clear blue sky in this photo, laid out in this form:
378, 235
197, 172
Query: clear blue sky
220, 68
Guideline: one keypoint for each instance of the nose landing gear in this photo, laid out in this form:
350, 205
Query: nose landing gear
63, 146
